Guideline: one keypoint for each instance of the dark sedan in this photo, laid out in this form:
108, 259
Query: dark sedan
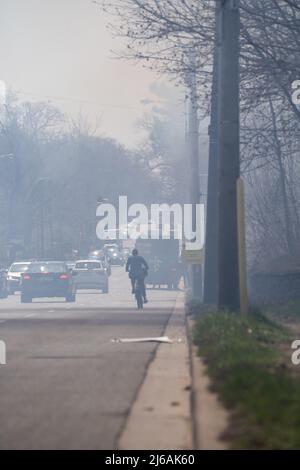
47, 279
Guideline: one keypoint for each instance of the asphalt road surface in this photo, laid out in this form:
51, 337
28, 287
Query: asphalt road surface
66, 385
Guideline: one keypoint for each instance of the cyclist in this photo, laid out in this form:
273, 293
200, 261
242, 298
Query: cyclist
137, 268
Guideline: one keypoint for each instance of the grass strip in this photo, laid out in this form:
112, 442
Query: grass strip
253, 378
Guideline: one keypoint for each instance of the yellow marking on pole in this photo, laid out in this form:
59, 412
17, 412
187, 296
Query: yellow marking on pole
242, 246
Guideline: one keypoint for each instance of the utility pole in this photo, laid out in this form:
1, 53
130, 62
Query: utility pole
229, 164
42, 222
9, 179
193, 139
210, 295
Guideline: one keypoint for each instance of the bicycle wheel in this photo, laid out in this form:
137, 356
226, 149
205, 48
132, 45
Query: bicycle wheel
139, 300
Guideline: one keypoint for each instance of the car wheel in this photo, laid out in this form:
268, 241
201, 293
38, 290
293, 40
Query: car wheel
25, 299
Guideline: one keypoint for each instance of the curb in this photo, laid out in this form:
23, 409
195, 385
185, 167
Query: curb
210, 419
160, 417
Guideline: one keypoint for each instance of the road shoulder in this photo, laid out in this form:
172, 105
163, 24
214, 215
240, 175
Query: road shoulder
210, 417
160, 417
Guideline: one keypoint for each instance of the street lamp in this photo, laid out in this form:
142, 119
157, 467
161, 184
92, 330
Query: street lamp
10, 183
42, 195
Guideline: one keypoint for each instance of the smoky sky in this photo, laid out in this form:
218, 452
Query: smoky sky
60, 51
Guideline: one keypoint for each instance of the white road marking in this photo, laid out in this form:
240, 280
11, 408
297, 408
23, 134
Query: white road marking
160, 339
30, 315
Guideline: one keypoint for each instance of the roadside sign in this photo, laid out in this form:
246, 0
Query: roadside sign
242, 246
192, 256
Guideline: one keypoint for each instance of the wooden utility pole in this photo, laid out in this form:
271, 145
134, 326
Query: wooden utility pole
193, 140
210, 295
229, 162
242, 247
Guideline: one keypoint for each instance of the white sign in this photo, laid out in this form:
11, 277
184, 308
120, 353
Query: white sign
2, 353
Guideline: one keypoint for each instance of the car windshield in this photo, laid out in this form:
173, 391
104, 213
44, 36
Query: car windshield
88, 265
19, 268
47, 268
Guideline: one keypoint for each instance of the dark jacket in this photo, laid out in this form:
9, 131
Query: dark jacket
136, 265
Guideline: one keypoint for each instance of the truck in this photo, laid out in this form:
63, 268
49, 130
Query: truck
163, 257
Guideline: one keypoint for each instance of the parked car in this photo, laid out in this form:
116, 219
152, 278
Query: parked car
14, 275
90, 274
3, 284
47, 279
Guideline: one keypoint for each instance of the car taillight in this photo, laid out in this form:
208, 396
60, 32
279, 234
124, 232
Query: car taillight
26, 277
64, 276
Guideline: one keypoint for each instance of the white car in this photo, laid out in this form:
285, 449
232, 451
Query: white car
90, 274
14, 275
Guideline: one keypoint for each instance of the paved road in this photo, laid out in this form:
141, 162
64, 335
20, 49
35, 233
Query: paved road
66, 385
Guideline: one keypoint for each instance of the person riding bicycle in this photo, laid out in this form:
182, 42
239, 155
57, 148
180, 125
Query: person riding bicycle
137, 268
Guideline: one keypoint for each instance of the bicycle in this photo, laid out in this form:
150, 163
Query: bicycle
138, 292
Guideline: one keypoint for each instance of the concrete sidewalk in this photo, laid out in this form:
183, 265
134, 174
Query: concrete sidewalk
175, 408
161, 415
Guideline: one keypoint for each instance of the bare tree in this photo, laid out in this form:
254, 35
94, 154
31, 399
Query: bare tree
161, 34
